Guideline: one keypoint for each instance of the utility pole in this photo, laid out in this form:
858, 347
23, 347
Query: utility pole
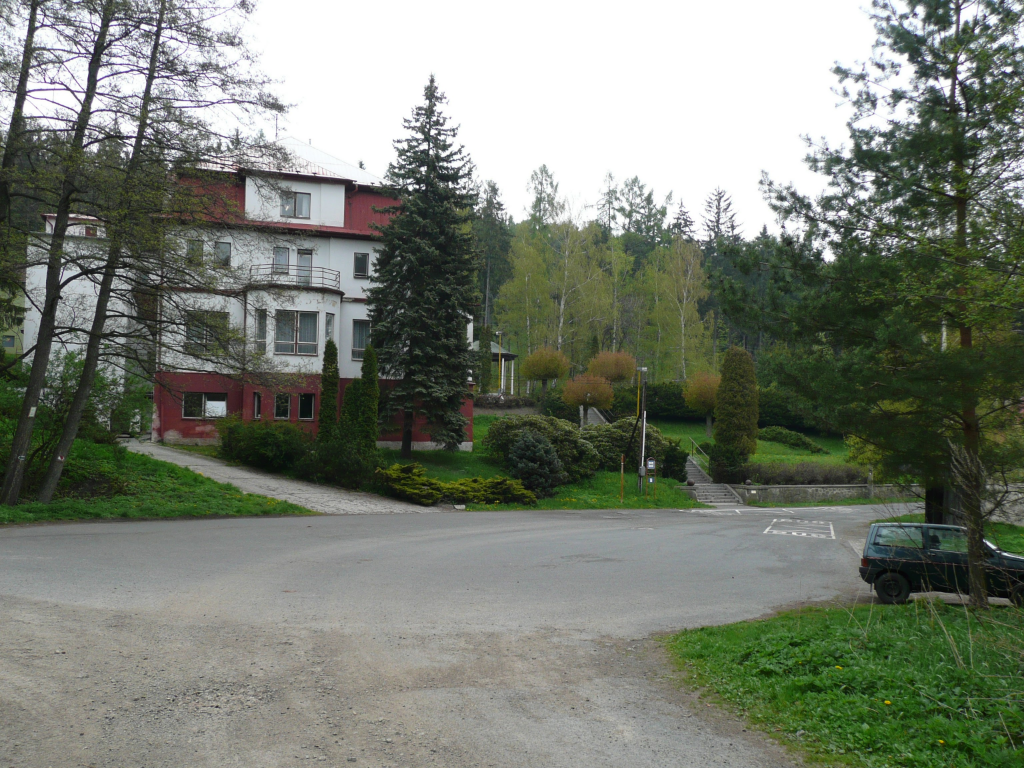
642, 414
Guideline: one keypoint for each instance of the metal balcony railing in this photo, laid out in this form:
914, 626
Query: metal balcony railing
300, 277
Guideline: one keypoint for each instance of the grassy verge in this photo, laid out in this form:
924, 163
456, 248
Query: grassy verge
212, 451
153, 489
920, 685
836, 502
602, 492
767, 453
1006, 536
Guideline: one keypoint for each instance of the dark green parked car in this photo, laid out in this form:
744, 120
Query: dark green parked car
900, 558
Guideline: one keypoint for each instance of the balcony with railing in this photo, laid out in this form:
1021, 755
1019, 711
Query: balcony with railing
294, 276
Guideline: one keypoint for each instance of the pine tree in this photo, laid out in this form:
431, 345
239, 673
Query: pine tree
736, 409
425, 287
328, 421
683, 224
493, 233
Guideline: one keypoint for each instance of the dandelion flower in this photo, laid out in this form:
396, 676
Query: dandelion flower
941, 741
838, 667
887, 702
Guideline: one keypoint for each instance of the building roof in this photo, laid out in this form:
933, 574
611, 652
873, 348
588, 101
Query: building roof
495, 349
308, 160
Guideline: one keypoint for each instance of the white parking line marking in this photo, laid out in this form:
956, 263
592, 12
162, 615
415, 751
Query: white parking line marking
810, 529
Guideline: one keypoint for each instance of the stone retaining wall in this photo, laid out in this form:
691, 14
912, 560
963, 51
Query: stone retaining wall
796, 494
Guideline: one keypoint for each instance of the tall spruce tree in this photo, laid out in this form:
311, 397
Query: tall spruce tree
328, 422
493, 232
424, 292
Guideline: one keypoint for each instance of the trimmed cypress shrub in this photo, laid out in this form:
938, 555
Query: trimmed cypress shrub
328, 421
360, 406
736, 404
533, 461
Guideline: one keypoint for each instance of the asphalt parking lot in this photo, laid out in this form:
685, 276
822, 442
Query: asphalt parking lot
454, 638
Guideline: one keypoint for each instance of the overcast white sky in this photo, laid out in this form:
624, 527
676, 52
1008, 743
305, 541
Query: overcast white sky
686, 95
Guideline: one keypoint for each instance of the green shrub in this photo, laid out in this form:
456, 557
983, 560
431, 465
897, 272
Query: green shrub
664, 401
361, 406
736, 403
533, 461
726, 463
579, 458
784, 436
493, 490
806, 473
270, 445
613, 440
673, 465
94, 470
410, 482
554, 406
338, 462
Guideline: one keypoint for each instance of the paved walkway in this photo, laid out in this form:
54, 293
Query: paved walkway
320, 498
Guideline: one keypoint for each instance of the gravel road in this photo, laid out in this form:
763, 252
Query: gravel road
448, 639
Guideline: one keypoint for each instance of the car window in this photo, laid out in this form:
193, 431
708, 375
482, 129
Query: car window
947, 540
898, 536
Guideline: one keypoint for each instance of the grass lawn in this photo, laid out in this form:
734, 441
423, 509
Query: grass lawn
920, 685
154, 489
212, 451
1006, 536
767, 453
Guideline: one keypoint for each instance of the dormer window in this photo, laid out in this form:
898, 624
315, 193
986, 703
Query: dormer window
295, 205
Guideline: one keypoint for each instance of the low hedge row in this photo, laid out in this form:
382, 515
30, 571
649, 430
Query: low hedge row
410, 482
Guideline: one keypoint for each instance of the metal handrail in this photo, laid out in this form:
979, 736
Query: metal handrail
705, 462
301, 277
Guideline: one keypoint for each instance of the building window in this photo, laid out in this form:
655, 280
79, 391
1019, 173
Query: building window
257, 405
222, 254
306, 400
261, 330
9, 341
204, 405
295, 332
282, 406
362, 265
295, 205
194, 252
360, 338
281, 258
329, 327
205, 332
90, 231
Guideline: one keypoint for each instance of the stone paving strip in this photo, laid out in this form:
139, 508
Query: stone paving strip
320, 498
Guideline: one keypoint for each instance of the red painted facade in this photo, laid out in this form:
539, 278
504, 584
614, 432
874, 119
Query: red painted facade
171, 426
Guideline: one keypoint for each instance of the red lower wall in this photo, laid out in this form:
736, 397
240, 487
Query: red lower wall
169, 425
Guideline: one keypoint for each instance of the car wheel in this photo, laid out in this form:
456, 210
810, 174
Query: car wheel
1017, 596
892, 588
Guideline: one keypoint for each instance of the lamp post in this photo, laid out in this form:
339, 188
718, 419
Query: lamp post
641, 412
501, 370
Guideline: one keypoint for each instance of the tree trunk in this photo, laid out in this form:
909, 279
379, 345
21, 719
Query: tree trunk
14, 475
125, 209
407, 420
543, 388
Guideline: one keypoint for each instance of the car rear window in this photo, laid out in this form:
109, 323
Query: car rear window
898, 536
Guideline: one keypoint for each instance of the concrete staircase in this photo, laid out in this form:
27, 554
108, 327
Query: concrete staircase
709, 492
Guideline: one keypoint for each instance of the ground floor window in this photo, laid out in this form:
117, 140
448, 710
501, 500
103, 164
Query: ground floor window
257, 405
306, 400
204, 405
360, 338
282, 406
